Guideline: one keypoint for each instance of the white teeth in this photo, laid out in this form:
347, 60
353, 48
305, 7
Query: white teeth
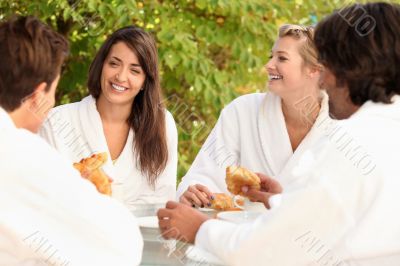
118, 88
275, 77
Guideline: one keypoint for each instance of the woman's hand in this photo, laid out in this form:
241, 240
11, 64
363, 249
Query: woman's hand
197, 196
269, 187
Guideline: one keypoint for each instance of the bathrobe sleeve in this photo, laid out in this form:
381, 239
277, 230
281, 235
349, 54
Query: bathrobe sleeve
220, 150
316, 211
340, 205
47, 208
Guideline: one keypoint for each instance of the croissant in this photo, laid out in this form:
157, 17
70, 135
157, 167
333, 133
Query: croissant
237, 177
224, 202
90, 168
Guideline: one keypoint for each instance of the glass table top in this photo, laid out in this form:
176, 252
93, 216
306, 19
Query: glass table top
158, 251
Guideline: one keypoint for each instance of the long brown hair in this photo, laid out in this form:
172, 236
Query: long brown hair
147, 117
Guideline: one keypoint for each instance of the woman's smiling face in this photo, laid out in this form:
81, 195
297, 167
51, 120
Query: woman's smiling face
286, 68
122, 76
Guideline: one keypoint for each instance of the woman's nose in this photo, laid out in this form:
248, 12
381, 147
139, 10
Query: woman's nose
269, 65
121, 75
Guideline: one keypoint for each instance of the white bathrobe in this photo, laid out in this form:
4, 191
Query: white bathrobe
76, 131
49, 215
341, 207
251, 132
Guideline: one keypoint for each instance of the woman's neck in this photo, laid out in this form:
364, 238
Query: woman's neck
112, 113
301, 111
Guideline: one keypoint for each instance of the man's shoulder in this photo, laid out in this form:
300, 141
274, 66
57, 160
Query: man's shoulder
28, 149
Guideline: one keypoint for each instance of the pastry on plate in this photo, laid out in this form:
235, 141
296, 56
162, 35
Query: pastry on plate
224, 202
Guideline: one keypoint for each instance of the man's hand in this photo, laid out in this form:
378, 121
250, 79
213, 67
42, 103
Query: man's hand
269, 187
197, 196
180, 222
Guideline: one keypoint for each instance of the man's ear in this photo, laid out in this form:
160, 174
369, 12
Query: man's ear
35, 100
39, 92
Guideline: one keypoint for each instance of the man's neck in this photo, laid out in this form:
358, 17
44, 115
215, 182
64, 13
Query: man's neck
340, 103
22, 118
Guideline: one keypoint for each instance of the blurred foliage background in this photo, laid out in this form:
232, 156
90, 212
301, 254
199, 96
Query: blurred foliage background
210, 51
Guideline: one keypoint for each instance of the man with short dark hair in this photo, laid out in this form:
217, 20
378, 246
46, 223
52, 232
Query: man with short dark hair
342, 207
49, 215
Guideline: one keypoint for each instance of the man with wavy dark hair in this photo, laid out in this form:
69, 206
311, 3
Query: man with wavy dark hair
342, 207
360, 49
49, 215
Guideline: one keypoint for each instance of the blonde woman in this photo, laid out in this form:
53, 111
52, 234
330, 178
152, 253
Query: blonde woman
264, 132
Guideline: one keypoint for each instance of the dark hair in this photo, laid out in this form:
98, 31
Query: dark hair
30, 53
360, 44
147, 118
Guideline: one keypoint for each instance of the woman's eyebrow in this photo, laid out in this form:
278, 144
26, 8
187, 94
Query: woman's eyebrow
279, 52
119, 60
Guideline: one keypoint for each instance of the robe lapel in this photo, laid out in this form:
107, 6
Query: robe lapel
274, 137
127, 174
92, 129
318, 130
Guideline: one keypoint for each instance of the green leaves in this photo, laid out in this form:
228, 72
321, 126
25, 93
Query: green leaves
210, 51
172, 60
201, 4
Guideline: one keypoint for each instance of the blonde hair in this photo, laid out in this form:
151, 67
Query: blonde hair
307, 50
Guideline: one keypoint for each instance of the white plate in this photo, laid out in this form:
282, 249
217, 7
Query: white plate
148, 221
206, 210
238, 217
